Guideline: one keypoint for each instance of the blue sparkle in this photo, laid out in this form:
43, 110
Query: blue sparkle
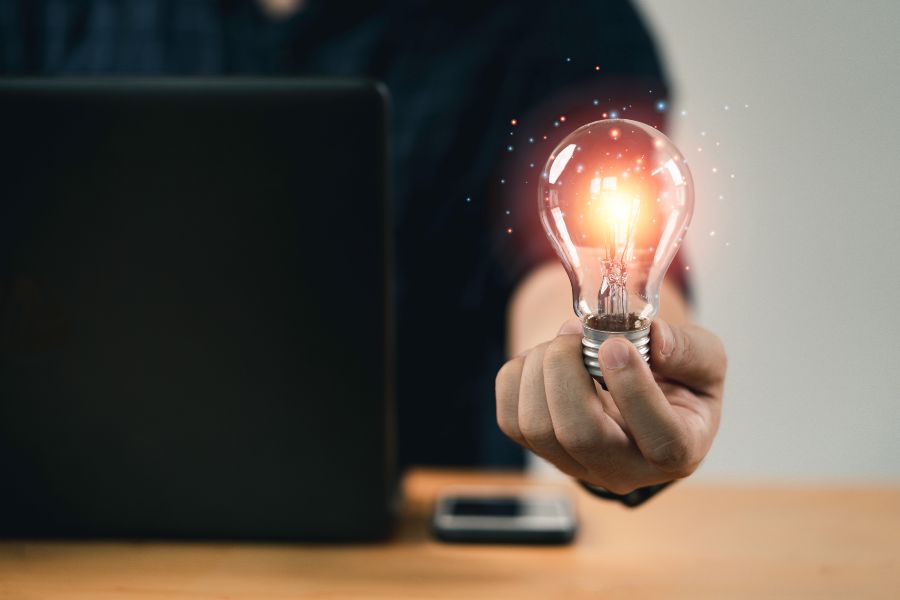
661, 106
613, 115
509, 148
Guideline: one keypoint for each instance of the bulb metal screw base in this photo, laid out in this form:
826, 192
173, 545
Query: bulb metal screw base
590, 347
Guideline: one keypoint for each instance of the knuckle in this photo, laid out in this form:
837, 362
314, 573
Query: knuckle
510, 367
537, 434
684, 343
509, 429
535, 428
506, 390
507, 422
578, 441
557, 354
508, 372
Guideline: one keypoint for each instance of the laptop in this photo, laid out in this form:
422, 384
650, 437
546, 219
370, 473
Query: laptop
195, 330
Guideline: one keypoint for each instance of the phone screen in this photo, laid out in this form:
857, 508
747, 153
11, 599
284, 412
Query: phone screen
489, 507
505, 517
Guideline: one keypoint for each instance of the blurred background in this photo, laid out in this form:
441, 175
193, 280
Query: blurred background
795, 258
787, 111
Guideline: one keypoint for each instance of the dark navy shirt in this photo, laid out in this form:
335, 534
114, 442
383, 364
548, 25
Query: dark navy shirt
466, 222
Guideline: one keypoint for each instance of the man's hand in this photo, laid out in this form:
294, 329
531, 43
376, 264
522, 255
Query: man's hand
651, 427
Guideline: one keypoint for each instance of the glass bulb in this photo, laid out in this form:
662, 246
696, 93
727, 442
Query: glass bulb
616, 197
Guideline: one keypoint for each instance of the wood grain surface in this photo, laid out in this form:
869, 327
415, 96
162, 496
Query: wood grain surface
696, 540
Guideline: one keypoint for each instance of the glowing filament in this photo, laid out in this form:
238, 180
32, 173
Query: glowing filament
617, 213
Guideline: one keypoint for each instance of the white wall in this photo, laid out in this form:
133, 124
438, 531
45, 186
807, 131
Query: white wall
802, 277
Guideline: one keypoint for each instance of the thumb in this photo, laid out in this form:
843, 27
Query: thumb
657, 429
690, 355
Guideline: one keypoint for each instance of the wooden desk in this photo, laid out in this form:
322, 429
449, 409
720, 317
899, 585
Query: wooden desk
694, 541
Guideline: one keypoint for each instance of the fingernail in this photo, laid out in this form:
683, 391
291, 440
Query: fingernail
614, 354
668, 338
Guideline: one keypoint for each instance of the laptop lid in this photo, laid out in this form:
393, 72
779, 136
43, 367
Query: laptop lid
194, 324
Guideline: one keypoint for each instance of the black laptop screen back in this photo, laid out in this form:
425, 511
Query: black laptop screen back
192, 310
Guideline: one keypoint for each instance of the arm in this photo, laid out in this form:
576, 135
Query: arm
652, 427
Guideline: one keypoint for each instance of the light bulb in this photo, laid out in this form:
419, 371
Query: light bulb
616, 198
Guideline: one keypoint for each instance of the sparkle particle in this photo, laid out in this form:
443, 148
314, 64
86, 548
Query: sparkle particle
468, 198
562, 118
614, 115
509, 148
684, 113
661, 106
513, 122
596, 102
509, 230
712, 234
568, 59
596, 67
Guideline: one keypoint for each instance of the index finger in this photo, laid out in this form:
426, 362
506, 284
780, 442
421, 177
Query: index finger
578, 417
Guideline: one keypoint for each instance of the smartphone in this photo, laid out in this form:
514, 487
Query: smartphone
509, 517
